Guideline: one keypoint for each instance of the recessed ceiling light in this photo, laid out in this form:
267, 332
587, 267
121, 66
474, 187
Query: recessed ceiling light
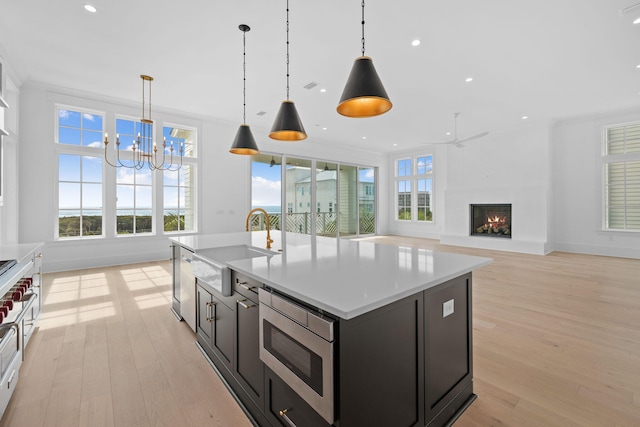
90, 8
364, 137
395, 144
324, 128
448, 133
468, 79
415, 42
525, 117
323, 90
638, 66
636, 21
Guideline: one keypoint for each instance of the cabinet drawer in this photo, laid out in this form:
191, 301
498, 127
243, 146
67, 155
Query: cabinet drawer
282, 402
245, 286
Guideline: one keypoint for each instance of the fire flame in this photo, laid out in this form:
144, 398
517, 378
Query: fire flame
496, 221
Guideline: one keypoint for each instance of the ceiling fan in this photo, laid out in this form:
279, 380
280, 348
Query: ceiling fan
458, 142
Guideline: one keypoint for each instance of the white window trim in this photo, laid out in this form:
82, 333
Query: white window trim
77, 150
109, 173
612, 158
414, 178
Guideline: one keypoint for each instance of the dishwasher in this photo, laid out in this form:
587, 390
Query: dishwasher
187, 288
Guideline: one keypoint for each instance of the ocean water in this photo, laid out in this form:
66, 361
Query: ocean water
143, 212
90, 212
270, 209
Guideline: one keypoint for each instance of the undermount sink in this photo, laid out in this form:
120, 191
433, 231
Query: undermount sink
208, 265
234, 253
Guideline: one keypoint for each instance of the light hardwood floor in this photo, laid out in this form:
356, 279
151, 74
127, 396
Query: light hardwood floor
556, 343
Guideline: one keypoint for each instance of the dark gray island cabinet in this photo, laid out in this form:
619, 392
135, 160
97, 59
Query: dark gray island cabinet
408, 363
333, 332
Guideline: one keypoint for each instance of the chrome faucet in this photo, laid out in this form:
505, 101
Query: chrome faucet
266, 215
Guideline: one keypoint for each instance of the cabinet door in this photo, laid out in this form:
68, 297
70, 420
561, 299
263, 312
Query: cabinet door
223, 328
381, 366
204, 319
249, 369
448, 367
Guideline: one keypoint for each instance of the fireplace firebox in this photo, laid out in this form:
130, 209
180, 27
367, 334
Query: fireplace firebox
491, 220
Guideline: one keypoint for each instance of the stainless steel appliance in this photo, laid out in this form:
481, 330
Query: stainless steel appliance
16, 323
297, 343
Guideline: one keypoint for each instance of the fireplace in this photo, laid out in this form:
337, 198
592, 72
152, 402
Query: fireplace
491, 220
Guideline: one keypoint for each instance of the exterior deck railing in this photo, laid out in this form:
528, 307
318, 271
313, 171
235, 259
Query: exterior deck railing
326, 223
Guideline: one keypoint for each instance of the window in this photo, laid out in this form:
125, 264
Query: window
80, 128
80, 174
179, 185
414, 185
321, 198
367, 200
104, 201
134, 188
134, 203
621, 177
424, 182
79, 196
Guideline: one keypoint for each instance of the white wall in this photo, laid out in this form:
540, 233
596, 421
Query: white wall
223, 191
9, 167
577, 223
507, 167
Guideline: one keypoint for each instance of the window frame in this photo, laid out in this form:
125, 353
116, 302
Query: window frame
606, 160
109, 174
80, 151
414, 178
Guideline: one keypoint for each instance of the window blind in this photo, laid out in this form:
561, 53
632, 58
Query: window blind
622, 177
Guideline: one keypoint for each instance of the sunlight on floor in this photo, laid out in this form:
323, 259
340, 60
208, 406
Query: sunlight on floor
78, 296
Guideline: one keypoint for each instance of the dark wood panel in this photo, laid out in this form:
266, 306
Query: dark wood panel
381, 377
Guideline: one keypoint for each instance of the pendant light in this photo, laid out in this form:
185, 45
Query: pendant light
363, 95
287, 126
244, 142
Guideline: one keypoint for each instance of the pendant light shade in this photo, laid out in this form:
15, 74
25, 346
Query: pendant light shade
287, 126
364, 95
244, 142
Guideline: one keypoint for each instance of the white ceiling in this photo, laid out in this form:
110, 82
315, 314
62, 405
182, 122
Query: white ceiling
546, 59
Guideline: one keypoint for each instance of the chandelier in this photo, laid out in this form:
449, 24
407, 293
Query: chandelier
144, 151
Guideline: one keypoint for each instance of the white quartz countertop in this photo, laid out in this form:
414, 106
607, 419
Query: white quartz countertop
346, 278
19, 252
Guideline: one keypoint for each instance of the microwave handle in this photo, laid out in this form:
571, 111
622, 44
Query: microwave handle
283, 414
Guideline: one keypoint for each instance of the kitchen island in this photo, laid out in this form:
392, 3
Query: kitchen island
399, 332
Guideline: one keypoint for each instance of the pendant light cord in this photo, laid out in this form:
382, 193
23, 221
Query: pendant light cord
362, 27
287, 50
244, 77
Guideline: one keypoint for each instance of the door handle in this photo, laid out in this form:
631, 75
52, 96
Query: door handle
283, 414
241, 302
244, 285
209, 315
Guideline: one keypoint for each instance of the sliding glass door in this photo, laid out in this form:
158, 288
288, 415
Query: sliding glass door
326, 198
